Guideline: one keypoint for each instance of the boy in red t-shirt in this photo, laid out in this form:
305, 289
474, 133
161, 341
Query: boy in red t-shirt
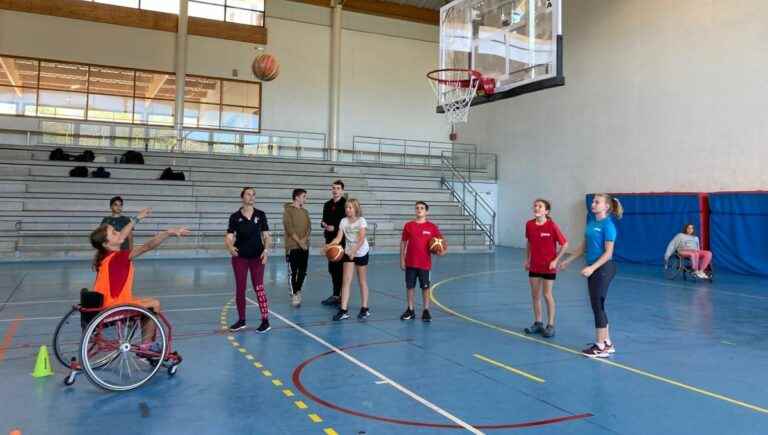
541, 258
416, 260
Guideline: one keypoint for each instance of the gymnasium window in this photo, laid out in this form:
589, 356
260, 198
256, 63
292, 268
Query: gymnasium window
54, 89
236, 11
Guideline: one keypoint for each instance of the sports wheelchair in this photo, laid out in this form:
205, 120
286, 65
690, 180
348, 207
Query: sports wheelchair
677, 265
109, 344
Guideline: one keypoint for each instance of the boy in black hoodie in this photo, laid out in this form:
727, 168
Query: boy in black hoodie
333, 213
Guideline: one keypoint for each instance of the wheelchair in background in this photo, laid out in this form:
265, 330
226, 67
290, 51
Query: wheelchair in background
111, 345
677, 265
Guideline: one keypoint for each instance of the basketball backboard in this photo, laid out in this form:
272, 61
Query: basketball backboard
517, 43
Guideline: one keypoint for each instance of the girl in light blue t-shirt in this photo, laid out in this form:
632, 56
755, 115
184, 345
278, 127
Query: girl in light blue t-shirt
599, 237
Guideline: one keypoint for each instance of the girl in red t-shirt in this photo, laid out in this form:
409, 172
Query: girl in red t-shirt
541, 257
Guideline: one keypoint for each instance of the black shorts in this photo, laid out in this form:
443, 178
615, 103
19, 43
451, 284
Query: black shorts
547, 276
359, 261
411, 273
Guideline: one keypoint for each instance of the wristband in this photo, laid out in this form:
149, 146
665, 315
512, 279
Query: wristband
136, 220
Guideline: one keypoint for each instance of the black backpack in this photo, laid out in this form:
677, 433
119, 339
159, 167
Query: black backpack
170, 174
79, 171
132, 157
100, 172
58, 155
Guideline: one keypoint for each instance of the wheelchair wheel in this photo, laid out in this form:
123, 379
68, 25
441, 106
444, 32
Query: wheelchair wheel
67, 338
113, 352
673, 267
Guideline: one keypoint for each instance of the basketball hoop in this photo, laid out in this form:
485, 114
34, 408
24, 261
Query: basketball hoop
455, 89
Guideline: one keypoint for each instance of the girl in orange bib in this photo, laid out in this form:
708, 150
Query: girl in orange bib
114, 266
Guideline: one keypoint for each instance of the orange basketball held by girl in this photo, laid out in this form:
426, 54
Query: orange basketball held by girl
334, 253
546, 246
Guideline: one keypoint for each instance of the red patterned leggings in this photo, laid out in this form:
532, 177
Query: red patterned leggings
241, 267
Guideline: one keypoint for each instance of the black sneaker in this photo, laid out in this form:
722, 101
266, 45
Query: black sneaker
341, 315
363, 314
536, 328
408, 314
331, 300
425, 316
548, 332
264, 327
595, 352
240, 324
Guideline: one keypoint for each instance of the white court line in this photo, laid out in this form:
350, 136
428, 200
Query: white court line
360, 364
73, 301
177, 310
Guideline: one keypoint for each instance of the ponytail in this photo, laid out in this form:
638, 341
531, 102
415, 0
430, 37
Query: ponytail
614, 205
616, 208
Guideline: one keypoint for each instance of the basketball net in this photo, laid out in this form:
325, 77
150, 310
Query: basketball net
455, 89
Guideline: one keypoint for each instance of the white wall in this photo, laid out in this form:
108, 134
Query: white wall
659, 96
384, 92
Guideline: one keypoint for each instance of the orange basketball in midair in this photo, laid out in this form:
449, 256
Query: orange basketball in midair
437, 245
265, 67
334, 253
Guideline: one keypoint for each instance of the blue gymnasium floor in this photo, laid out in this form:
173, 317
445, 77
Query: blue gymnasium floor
691, 358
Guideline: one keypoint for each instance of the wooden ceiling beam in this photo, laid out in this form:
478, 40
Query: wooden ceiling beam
131, 17
385, 9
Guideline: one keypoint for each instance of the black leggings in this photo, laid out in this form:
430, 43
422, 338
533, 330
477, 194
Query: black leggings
297, 260
598, 284
336, 269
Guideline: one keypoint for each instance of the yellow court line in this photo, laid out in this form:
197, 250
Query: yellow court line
278, 383
511, 369
576, 352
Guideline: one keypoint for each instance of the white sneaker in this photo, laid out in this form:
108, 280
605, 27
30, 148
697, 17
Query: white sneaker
296, 299
609, 347
700, 274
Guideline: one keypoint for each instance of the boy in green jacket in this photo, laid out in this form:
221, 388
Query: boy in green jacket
297, 227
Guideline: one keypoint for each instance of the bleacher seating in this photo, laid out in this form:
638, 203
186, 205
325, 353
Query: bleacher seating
46, 213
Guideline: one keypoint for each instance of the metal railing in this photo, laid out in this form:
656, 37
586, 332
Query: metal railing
472, 203
401, 151
265, 143
465, 157
473, 165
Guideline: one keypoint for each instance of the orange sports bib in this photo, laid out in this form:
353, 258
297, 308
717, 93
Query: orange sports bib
114, 280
